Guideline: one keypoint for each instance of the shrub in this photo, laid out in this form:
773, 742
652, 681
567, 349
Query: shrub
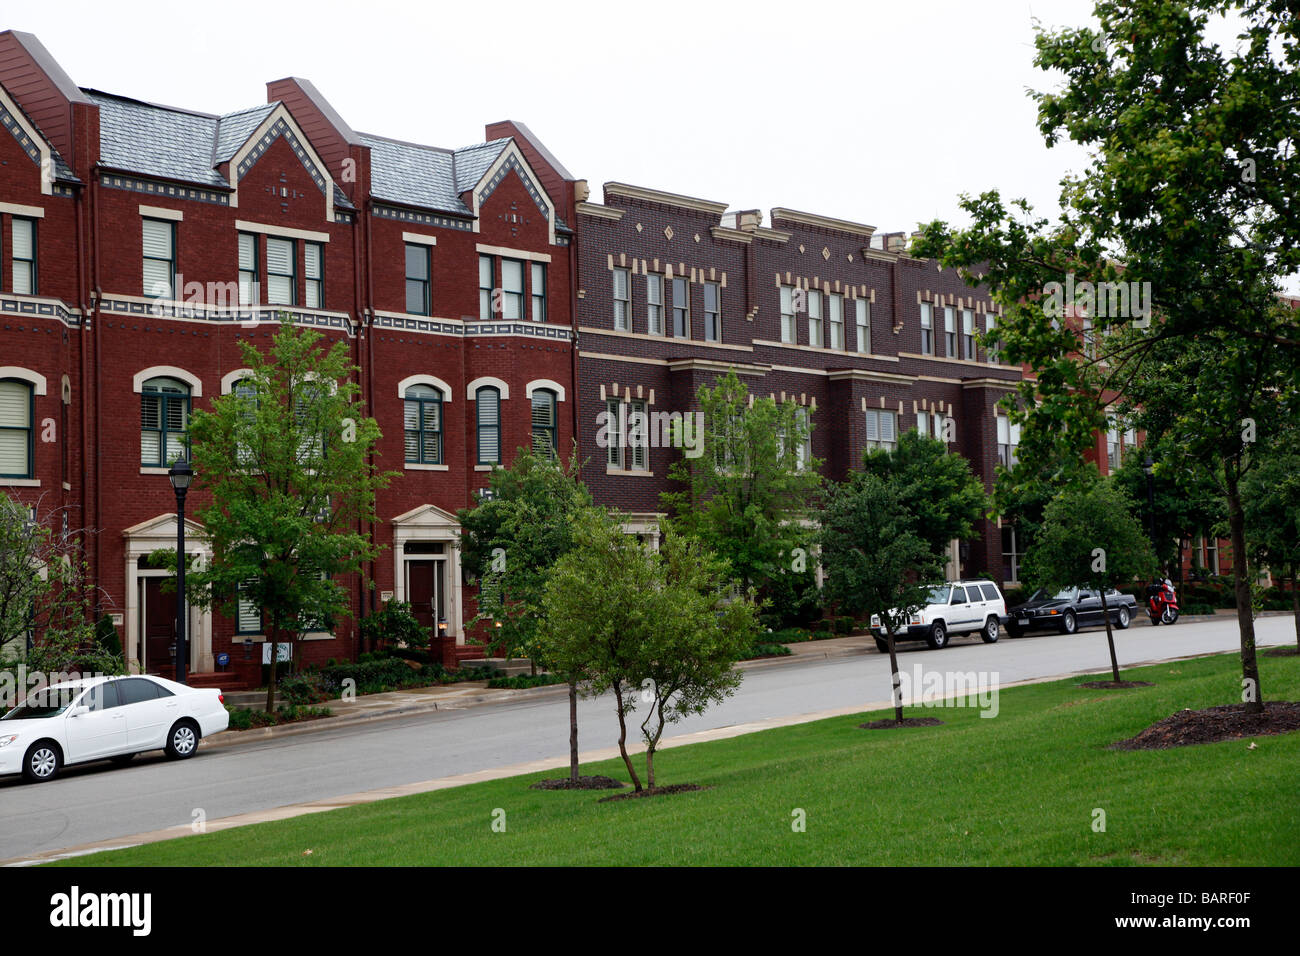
394, 626
1198, 609
524, 681
767, 650
307, 687
789, 635
844, 625
793, 600
244, 718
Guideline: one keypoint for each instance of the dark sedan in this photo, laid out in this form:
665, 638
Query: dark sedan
1068, 610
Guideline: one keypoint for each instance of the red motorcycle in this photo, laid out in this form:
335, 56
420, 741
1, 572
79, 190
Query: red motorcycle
1162, 604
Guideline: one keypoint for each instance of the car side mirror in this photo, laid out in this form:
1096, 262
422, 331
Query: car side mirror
79, 710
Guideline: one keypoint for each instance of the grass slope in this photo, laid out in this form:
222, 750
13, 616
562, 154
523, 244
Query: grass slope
1019, 789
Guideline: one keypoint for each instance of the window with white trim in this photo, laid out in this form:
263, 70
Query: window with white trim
537, 291
968, 335
950, 331
815, 318
835, 305
712, 313
423, 425
486, 283
932, 424
788, 322
622, 301
17, 432
487, 415
681, 309
991, 353
159, 268
1008, 440
22, 253
863, 307
512, 289
545, 437
419, 284
654, 303
927, 328
882, 429
249, 269
248, 617
313, 255
164, 416
281, 271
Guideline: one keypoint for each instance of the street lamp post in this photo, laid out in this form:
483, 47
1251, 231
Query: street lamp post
180, 476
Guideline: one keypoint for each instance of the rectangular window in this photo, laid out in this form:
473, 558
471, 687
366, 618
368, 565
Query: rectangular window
159, 258
614, 433
835, 305
622, 301
638, 434
927, 328
968, 335
990, 324
803, 446
423, 422
485, 286
418, 298
814, 318
654, 304
864, 325
1114, 444
538, 292
882, 429
787, 315
23, 253
712, 313
314, 274
248, 269
164, 416
545, 440
249, 619
1008, 439
281, 275
512, 289
950, 331
487, 401
681, 309
1012, 554
931, 424
16, 433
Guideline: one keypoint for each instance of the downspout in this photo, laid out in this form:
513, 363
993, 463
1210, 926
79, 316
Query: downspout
573, 314
367, 211
98, 293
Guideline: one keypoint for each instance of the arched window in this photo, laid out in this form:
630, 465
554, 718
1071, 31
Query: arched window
487, 404
164, 416
545, 441
16, 431
423, 425
245, 392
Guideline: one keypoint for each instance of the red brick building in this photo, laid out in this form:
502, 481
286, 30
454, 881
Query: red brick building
142, 244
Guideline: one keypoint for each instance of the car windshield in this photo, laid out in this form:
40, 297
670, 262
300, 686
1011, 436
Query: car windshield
939, 595
1063, 595
49, 702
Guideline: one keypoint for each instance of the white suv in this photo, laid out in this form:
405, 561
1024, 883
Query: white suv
960, 607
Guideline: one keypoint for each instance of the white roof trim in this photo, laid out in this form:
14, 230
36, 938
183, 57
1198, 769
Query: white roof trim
512, 149
42, 145
282, 112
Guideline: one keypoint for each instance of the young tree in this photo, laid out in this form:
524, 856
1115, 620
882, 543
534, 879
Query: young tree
749, 493
697, 633
936, 488
627, 617
44, 593
874, 561
1090, 538
512, 541
1271, 496
285, 460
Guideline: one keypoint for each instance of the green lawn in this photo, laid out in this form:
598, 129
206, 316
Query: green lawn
1018, 789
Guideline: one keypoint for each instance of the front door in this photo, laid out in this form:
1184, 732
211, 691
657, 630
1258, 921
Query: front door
425, 590
159, 625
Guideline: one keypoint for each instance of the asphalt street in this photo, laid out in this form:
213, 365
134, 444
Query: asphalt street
99, 801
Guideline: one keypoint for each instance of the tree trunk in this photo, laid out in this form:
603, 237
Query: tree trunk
651, 744
1295, 608
622, 737
1252, 692
270, 684
1110, 638
573, 731
893, 670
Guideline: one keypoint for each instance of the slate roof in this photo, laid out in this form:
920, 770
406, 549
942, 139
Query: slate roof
233, 130
151, 140
427, 176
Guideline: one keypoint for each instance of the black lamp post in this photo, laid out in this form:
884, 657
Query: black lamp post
180, 476
1149, 467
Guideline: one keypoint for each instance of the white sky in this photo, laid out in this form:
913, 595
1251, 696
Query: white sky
877, 112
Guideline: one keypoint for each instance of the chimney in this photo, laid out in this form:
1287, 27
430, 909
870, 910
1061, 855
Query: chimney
749, 219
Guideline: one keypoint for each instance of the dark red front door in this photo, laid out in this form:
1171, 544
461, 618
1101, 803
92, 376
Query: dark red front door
159, 626
424, 591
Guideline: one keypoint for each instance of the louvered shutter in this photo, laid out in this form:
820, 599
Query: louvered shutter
15, 419
158, 258
873, 426
888, 433
279, 271
488, 405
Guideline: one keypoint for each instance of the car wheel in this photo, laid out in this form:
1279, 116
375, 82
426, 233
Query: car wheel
42, 761
938, 636
182, 740
1122, 619
992, 631
122, 759
1069, 623
882, 645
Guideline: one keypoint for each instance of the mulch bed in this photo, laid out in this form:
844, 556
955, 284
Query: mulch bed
906, 722
1115, 685
654, 792
1227, 722
582, 783
1282, 652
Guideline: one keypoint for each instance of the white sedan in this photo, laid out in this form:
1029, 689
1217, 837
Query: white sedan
102, 718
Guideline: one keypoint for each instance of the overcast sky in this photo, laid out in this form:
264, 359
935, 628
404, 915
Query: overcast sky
878, 112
